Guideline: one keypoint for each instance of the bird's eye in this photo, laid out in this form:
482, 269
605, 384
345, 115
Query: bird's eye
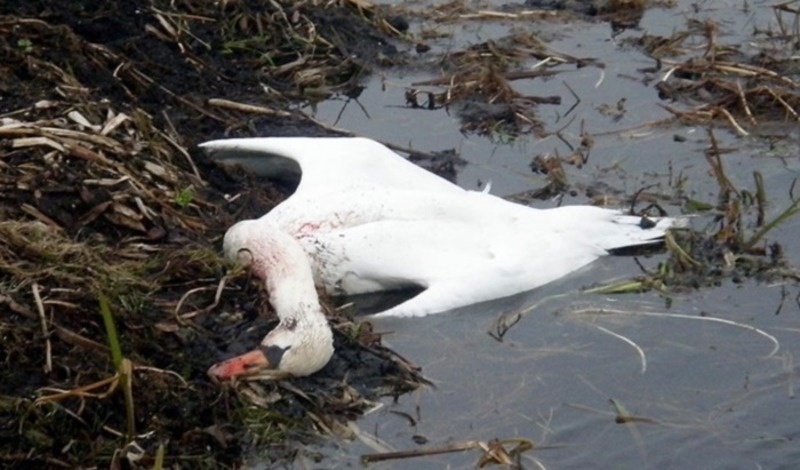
244, 255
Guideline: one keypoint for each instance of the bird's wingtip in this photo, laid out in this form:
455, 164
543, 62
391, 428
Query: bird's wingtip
219, 144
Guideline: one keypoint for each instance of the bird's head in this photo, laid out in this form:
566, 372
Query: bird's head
239, 240
302, 343
292, 348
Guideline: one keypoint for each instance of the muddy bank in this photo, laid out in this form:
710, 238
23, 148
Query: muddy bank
104, 196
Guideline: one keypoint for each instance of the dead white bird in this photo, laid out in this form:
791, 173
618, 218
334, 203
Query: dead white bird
363, 219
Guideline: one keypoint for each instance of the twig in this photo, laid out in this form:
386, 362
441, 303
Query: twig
409, 151
493, 451
405, 454
752, 70
746, 107
502, 326
761, 198
161, 371
784, 103
247, 108
646, 125
601, 79
48, 363
84, 391
674, 247
217, 296
777, 344
487, 14
181, 149
66, 335
733, 122
629, 341
179, 98
574, 95
790, 211
715, 161
36, 213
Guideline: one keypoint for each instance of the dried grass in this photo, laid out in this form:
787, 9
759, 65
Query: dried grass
721, 85
101, 194
478, 81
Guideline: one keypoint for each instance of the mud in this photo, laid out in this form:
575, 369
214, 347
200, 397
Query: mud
102, 191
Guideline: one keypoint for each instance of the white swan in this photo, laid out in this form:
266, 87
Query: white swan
363, 219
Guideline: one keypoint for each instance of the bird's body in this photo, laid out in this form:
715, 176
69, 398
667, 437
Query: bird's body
368, 220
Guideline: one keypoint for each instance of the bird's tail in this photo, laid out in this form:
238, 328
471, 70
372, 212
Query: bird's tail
610, 229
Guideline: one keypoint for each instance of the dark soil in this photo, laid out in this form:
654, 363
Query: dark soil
131, 210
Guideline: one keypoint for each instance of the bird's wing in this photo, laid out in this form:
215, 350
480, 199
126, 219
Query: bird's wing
458, 264
360, 204
326, 164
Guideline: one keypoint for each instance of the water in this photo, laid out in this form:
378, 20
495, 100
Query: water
708, 394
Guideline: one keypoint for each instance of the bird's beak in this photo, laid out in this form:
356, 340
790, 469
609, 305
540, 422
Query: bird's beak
246, 364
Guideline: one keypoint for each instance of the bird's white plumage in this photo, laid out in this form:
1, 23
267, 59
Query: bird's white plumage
326, 164
369, 220
363, 219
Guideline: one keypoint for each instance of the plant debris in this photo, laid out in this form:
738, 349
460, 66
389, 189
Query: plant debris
478, 81
731, 246
723, 84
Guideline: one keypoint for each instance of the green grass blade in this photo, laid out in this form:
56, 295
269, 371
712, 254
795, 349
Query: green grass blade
159, 461
111, 331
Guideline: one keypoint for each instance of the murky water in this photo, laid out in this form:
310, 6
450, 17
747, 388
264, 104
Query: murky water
709, 394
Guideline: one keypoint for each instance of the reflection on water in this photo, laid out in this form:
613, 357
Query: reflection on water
710, 396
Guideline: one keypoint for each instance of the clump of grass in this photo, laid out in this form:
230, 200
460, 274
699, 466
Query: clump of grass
32, 251
478, 81
732, 88
266, 425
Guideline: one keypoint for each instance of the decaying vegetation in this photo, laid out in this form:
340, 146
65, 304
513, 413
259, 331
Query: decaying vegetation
114, 298
721, 83
732, 245
722, 86
478, 81
716, 85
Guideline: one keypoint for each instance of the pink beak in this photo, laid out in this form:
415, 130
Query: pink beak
245, 364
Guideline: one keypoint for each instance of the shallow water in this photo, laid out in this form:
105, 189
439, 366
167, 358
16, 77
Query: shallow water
709, 394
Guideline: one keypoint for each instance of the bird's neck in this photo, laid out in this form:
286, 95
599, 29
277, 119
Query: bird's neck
286, 270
